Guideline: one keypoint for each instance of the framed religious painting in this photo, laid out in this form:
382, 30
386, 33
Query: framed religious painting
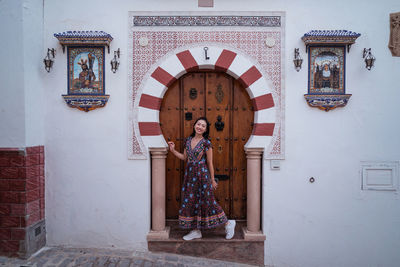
85, 69
326, 74
327, 67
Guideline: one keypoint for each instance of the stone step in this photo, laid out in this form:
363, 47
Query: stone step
212, 245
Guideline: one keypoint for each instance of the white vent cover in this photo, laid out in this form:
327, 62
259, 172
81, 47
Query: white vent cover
380, 175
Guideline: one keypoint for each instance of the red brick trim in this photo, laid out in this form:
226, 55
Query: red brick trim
18, 234
263, 129
225, 60
250, 76
149, 101
187, 60
263, 102
11, 150
11, 246
5, 234
33, 206
149, 128
21, 196
10, 221
163, 77
33, 150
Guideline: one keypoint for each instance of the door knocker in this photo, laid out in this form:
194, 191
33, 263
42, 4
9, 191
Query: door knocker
193, 93
219, 125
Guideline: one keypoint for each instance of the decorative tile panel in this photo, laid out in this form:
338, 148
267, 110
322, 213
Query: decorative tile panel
86, 68
327, 67
330, 37
84, 38
164, 37
246, 21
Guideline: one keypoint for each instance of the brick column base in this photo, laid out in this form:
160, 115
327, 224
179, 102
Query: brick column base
22, 220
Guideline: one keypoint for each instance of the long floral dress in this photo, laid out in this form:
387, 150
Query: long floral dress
199, 208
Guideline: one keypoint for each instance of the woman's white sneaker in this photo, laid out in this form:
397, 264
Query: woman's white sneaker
230, 229
192, 235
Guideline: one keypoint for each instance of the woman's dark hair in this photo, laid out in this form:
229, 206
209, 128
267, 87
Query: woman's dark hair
207, 132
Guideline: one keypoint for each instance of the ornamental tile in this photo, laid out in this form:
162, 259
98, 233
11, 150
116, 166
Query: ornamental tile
318, 37
165, 42
252, 21
83, 34
330, 33
86, 102
327, 102
169, 34
84, 38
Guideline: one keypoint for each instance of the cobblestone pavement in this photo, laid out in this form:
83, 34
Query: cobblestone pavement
66, 257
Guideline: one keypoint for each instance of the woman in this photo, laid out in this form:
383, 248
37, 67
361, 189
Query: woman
199, 209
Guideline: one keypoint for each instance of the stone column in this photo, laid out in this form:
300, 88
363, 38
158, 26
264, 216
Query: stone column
253, 229
158, 160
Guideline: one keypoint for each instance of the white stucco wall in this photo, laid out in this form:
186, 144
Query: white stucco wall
34, 71
332, 222
12, 108
96, 197
21, 95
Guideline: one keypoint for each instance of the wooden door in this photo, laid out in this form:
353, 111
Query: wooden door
228, 108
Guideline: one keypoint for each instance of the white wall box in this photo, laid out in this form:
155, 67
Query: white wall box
383, 175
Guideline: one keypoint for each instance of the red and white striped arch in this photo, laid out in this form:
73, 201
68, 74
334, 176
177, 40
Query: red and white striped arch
226, 60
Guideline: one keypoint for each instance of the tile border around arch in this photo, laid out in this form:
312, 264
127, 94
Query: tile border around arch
178, 49
190, 60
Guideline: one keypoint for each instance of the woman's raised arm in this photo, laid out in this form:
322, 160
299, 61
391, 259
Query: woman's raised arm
182, 156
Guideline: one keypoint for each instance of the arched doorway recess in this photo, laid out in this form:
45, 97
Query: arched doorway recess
250, 77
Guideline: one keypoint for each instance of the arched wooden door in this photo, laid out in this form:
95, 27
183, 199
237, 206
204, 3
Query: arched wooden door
228, 108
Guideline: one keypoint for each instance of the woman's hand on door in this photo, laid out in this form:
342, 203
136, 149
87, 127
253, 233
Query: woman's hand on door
171, 146
182, 156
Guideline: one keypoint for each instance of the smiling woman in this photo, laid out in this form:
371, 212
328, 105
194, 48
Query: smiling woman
199, 209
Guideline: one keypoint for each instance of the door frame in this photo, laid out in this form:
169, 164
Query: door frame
156, 83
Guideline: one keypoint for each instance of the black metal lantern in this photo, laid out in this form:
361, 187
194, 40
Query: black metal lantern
368, 58
48, 61
115, 61
297, 59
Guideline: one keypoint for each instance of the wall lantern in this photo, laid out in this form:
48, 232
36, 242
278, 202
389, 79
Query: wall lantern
368, 58
48, 61
115, 61
297, 59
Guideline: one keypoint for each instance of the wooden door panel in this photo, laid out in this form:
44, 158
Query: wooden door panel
242, 127
170, 113
192, 102
218, 99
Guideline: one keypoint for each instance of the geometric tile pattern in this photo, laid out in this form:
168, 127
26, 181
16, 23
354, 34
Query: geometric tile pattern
171, 53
